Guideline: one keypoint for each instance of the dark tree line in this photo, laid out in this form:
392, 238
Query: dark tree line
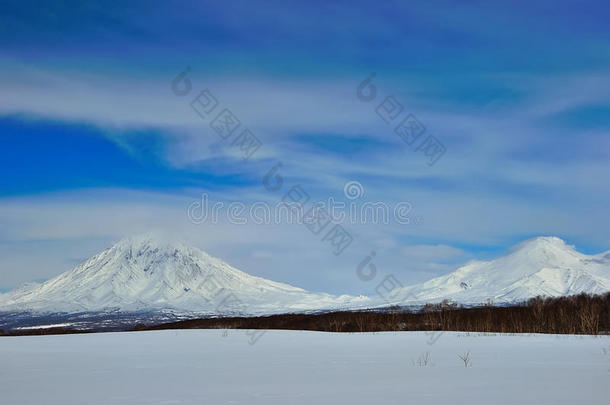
578, 314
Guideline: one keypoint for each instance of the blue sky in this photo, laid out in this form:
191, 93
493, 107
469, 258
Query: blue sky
96, 146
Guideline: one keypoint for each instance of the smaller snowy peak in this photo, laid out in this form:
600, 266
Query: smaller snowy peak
544, 251
542, 266
543, 245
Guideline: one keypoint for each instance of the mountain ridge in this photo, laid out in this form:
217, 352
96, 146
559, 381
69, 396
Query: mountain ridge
144, 272
541, 266
148, 272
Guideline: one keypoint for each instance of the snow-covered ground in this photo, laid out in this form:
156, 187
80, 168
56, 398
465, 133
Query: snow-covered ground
292, 367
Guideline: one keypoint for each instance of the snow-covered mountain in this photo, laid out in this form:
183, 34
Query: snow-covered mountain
543, 266
145, 272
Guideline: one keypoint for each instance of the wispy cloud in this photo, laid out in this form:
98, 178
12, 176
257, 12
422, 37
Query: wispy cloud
519, 110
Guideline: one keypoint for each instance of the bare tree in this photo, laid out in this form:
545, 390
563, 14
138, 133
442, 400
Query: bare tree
466, 359
423, 360
361, 322
334, 325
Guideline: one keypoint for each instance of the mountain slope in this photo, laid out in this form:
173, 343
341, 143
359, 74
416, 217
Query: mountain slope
144, 273
541, 266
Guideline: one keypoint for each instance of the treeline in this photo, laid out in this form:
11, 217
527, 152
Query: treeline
44, 331
579, 314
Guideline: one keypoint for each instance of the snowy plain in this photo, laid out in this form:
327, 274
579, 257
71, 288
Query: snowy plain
294, 367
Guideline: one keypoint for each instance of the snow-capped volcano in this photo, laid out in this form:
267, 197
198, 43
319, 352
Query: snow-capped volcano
147, 273
543, 266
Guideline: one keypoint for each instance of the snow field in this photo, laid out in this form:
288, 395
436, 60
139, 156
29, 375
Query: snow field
293, 367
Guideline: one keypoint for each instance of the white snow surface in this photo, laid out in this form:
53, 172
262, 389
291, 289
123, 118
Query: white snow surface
292, 367
145, 272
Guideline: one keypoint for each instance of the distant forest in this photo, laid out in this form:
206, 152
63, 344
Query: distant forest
578, 314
